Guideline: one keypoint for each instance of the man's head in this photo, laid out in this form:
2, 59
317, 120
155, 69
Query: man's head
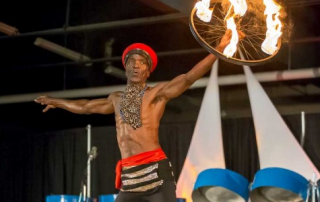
139, 60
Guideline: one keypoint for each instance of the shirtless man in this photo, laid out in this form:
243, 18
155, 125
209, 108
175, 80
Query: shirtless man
144, 172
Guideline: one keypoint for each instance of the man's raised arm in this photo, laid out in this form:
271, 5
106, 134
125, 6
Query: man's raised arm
182, 82
83, 106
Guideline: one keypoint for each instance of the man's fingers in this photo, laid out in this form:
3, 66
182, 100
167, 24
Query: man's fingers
241, 34
46, 109
40, 98
44, 100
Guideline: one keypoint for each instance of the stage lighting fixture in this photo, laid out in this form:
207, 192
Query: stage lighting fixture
8, 30
60, 50
111, 70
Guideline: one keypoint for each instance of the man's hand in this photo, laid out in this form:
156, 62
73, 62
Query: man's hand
45, 100
225, 40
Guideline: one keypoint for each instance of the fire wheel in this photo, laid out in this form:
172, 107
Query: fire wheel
252, 24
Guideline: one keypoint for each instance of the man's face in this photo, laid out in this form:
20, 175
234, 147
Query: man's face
137, 69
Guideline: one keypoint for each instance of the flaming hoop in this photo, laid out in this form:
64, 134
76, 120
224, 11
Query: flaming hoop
257, 19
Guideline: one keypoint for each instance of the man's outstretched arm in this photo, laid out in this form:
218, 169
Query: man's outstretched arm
83, 106
182, 82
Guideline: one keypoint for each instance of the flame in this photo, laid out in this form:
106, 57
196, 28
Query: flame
269, 45
239, 9
204, 13
232, 47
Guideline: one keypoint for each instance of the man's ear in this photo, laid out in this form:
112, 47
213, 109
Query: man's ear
149, 72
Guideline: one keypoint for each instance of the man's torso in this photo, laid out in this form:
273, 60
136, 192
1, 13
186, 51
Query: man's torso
134, 141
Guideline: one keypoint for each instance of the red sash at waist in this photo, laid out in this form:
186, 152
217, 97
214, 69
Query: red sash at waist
139, 159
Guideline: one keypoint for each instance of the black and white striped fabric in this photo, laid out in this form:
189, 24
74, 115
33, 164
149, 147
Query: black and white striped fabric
146, 177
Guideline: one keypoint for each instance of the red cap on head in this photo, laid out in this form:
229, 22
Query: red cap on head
144, 50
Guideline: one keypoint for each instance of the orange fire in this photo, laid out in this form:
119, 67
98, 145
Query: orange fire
274, 25
239, 9
204, 13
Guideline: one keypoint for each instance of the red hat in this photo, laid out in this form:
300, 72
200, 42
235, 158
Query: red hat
144, 50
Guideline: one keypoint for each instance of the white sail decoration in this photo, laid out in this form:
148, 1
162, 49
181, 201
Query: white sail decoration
285, 167
206, 147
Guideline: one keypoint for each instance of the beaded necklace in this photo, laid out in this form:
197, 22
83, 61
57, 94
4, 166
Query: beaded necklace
130, 104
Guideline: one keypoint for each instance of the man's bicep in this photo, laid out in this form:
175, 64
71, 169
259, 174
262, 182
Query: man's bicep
175, 87
101, 106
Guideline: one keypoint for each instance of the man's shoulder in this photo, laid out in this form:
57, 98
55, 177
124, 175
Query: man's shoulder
116, 94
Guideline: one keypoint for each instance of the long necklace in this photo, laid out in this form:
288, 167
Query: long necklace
130, 104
